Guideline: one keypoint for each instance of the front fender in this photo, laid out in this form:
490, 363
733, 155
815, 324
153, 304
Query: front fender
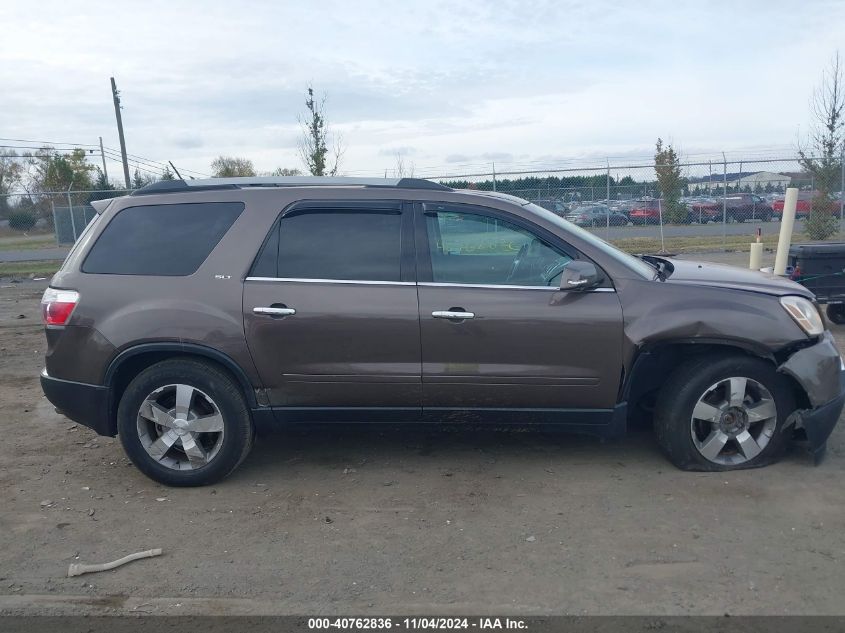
817, 369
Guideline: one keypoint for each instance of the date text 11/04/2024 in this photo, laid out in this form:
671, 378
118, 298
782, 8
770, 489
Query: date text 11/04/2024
416, 623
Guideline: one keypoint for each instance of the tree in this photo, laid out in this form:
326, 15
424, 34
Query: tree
821, 154
286, 171
231, 167
103, 189
316, 138
54, 172
402, 170
167, 174
667, 166
141, 180
11, 172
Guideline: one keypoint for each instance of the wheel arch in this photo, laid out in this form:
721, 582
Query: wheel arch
654, 363
133, 360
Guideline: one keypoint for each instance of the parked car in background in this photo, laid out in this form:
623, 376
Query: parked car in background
703, 209
739, 207
553, 205
623, 206
802, 208
645, 211
596, 215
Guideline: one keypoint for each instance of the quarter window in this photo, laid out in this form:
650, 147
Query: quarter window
339, 244
469, 248
161, 239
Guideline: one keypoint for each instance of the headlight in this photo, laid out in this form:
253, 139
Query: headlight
805, 314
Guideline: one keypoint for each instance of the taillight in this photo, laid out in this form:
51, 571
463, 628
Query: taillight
57, 305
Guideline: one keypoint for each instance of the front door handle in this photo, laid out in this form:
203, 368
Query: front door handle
453, 315
276, 312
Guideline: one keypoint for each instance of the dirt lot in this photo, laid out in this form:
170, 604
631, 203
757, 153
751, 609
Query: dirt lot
391, 521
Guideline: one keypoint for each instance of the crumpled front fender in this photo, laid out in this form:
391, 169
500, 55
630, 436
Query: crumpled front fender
816, 369
820, 371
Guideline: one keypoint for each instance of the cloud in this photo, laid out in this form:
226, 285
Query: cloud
187, 141
402, 150
511, 82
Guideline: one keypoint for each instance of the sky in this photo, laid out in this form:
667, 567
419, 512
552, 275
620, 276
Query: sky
450, 86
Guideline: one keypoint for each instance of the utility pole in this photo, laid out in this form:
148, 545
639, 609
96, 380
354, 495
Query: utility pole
116, 99
103, 156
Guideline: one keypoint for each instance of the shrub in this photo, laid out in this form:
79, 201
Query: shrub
821, 223
674, 212
21, 220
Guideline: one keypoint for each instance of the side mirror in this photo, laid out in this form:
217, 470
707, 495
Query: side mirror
579, 275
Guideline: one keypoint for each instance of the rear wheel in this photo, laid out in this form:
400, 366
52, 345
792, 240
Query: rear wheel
184, 422
836, 313
723, 413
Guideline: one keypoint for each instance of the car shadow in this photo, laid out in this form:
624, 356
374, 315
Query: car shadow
345, 448
348, 446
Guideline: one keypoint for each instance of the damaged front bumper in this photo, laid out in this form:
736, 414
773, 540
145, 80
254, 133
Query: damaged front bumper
820, 371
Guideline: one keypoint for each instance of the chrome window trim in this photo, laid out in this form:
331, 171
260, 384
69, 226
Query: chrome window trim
333, 281
431, 284
441, 284
437, 284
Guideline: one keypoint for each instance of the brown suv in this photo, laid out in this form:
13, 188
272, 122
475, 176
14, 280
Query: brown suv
190, 314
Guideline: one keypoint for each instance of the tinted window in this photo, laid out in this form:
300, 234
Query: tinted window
471, 248
165, 239
266, 264
341, 244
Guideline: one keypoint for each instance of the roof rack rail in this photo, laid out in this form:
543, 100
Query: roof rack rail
209, 184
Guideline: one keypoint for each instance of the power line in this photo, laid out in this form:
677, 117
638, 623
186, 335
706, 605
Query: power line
37, 144
163, 164
44, 143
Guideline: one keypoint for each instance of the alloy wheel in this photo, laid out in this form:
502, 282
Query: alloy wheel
180, 427
733, 421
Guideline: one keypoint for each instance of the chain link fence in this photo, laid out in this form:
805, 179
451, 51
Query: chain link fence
718, 205
43, 225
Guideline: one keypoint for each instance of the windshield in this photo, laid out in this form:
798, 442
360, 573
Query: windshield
629, 261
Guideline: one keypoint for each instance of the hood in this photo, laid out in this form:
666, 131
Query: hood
724, 276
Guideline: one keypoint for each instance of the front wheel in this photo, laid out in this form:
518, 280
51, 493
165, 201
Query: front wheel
723, 413
184, 422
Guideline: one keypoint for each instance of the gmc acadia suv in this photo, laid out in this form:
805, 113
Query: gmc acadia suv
190, 314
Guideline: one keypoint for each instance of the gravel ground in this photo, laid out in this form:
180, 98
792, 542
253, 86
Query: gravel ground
385, 520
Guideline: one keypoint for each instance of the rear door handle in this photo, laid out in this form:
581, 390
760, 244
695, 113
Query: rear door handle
452, 315
270, 311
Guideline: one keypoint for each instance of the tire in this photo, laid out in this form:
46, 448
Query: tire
686, 439
836, 313
149, 423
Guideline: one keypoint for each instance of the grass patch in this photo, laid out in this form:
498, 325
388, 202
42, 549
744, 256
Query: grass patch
701, 244
28, 269
5, 231
21, 243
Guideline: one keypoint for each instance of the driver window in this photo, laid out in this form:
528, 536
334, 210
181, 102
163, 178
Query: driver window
469, 248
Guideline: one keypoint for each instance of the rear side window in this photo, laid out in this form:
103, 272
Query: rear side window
161, 239
341, 244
